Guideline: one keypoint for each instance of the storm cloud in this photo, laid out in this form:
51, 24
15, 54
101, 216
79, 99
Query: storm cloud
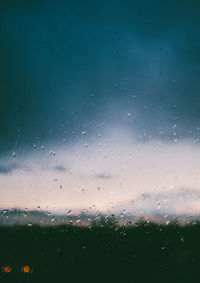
76, 66
99, 102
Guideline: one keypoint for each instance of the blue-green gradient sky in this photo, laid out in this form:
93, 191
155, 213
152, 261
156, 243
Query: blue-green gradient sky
98, 94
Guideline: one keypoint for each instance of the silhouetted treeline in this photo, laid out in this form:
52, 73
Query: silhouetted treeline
102, 253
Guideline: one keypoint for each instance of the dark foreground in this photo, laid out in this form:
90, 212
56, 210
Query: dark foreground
146, 253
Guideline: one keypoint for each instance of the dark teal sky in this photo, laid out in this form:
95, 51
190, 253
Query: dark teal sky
74, 66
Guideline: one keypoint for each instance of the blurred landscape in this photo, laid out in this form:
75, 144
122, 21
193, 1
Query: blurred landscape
100, 141
101, 252
121, 215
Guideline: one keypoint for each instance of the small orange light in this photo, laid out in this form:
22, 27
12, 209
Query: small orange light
27, 269
6, 269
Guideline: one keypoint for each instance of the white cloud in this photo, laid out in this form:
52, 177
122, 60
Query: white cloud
135, 168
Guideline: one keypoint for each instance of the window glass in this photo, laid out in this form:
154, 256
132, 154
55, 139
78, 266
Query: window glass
99, 117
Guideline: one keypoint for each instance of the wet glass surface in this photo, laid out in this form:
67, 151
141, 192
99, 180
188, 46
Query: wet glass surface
99, 139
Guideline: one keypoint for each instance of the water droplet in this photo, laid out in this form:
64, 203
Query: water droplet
158, 206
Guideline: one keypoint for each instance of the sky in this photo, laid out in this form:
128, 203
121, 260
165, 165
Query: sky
99, 104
